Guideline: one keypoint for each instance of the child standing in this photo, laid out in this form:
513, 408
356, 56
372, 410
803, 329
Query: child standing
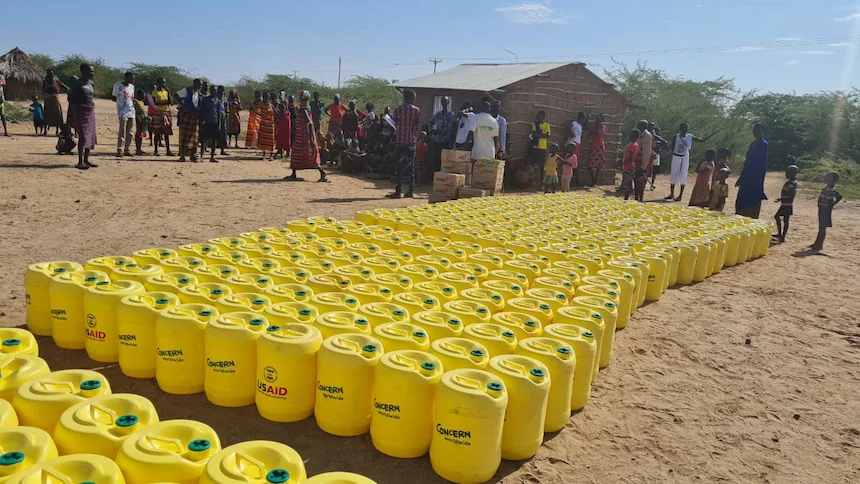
550, 169
141, 121
65, 142
720, 190
722, 161
826, 201
701, 191
568, 168
38, 117
629, 164
786, 198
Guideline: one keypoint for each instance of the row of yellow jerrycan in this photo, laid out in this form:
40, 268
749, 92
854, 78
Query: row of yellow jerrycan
105, 437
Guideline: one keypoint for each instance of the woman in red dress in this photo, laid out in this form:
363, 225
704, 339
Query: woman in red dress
305, 155
284, 133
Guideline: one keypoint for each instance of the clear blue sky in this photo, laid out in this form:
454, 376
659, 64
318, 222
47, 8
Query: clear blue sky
771, 45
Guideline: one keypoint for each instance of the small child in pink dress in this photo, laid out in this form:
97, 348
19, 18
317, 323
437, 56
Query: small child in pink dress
568, 168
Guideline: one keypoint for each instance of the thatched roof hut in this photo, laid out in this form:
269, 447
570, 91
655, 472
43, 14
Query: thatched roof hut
23, 76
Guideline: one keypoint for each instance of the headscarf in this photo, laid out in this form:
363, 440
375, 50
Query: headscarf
304, 100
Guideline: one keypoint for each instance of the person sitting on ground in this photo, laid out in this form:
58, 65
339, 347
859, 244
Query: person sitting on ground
629, 164
720, 190
38, 117
786, 199
65, 142
828, 199
550, 169
702, 189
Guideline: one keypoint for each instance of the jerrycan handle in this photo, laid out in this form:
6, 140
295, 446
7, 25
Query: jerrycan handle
407, 361
232, 320
542, 346
515, 366
52, 476
398, 331
97, 411
246, 467
485, 331
454, 347
469, 382
153, 446
47, 384
335, 318
149, 300
184, 312
347, 344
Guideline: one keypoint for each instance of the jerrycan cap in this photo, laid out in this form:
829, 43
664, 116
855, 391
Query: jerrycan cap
564, 351
596, 315
496, 297
405, 281
531, 324
258, 302
199, 445
160, 301
447, 289
510, 334
194, 263
516, 288
12, 342
428, 365
471, 278
537, 372
257, 322
237, 256
59, 270
610, 305
277, 476
91, 279
127, 421
351, 300
226, 271
481, 311
91, 385
262, 281
385, 291
477, 353
429, 271
398, 312
560, 296
11, 458
588, 334
273, 329
567, 284
429, 301
120, 262
545, 306
301, 293
302, 274
168, 254
102, 283
361, 322
454, 322
365, 272
496, 387
216, 292
419, 334
369, 348
326, 264
184, 280
205, 313
343, 283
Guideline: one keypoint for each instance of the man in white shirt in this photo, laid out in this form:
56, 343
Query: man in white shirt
503, 128
484, 133
123, 95
464, 125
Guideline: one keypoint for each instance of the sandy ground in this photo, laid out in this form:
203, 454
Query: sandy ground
750, 376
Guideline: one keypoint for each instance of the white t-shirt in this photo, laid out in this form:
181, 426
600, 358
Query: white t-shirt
683, 144
124, 100
464, 127
486, 129
576, 131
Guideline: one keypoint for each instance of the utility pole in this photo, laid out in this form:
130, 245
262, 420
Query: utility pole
295, 75
339, 63
435, 61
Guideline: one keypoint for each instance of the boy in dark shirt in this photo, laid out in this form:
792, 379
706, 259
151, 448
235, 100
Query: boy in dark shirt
826, 201
210, 121
786, 198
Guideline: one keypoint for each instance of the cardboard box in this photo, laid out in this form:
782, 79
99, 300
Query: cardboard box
486, 177
469, 192
489, 162
447, 184
434, 198
456, 156
462, 168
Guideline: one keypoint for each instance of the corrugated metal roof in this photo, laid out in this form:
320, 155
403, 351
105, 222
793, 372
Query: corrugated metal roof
480, 77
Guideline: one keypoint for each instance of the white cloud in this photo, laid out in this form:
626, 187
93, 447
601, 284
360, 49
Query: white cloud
814, 52
535, 13
848, 18
790, 63
840, 44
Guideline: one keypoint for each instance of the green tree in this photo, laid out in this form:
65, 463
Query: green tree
43, 60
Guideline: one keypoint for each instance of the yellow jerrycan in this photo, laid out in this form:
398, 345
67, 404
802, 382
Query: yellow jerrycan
469, 312
368, 292
204, 293
37, 281
217, 273
328, 283
16, 370
560, 284
381, 312
626, 293
169, 451
489, 260
634, 270
287, 372
541, 261
459, 280
700, 272
400, 256
225, 243
181, 356
101, 303
657, 274
645, 270
8, 417
440, 262
230, 342
280, 314
714, 252
506, 289
84, 468
527, 381
290, 275
673, 255
444, 291
454, 254
136, 318
505, 254
378, 264
255, 462
415, 302
249, 282
531, 306
561, 273
355, 273
687, 266
555, 299
526, 268
401, 336
523, 325
224, 256
198, 250
106, 264
733, 241
316, 265
419, 272
609, 311
468, 424
339, 478
258, 265
584, 344
100, 424
560, 359
135, 272
341, 322
183, 263
16, 341
487, 297
579, 267
345, 373
67, 306
169, 282
438, 324
243, 302
460, 352
39, 403
287, 292
404, 396
21, 448
498, 339
397, 282
154, 255
327, 302
347, 257
602, 292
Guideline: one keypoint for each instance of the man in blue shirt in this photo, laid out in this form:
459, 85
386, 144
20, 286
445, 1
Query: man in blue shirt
441, 135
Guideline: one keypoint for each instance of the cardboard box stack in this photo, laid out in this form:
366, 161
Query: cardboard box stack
460, 177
